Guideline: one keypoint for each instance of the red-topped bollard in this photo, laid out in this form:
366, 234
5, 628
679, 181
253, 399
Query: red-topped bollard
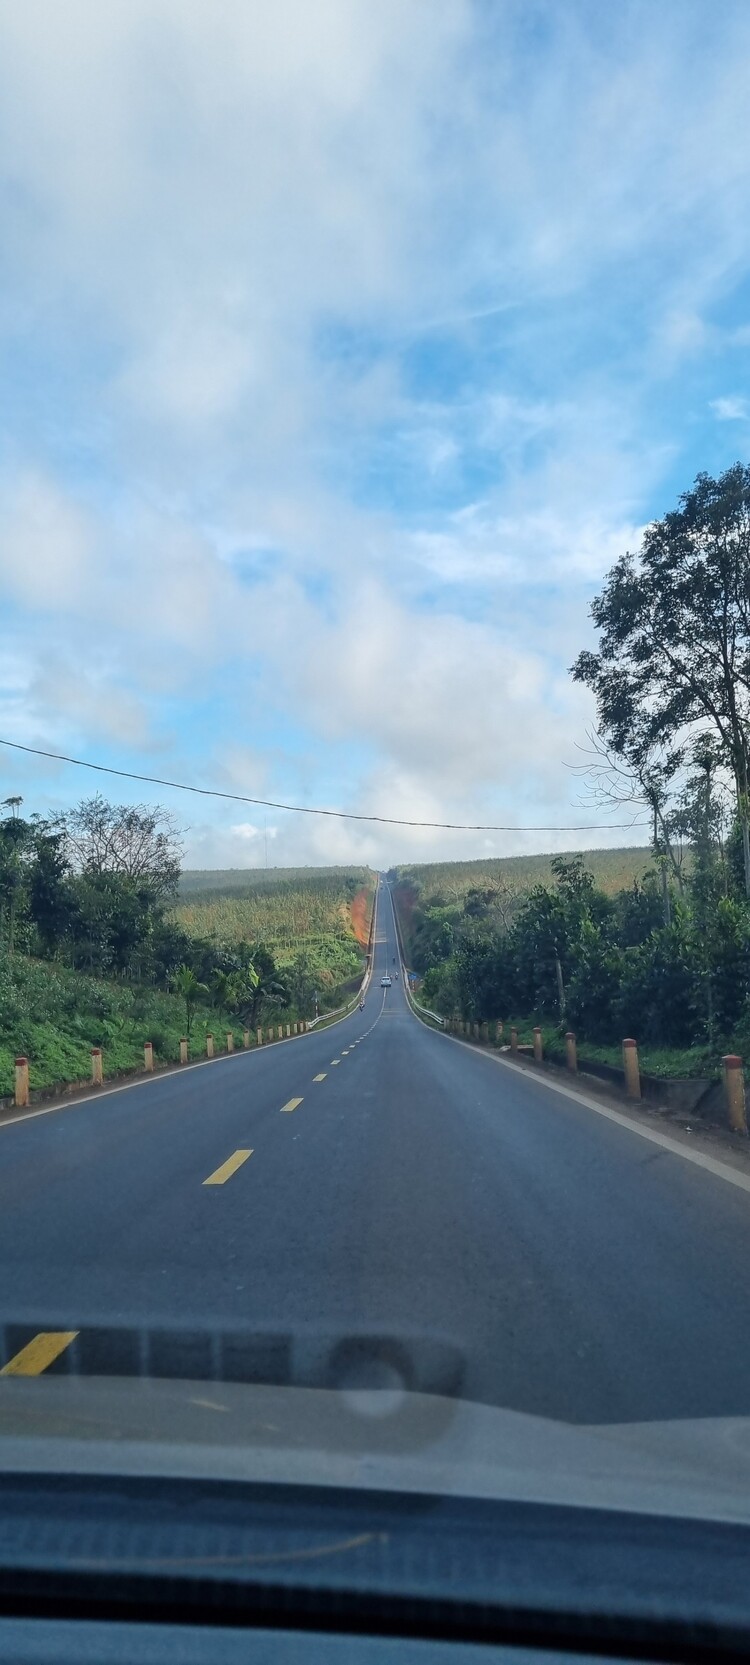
209, 1046
148, 1055
96, 1066
514, 1040
734, 1092
571, 1051
631, 1068
538, 1048
21, 1096
184, 1049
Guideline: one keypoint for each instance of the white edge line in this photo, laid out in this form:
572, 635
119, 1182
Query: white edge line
710, 1165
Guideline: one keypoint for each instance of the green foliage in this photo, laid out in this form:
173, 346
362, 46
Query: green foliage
191, 990
606, 966
94, 892
671, 675
55, 1016
290, 912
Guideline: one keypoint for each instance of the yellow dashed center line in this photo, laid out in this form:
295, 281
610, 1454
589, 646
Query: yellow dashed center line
292, 1105
39, 1353
319, 1077
222, 1174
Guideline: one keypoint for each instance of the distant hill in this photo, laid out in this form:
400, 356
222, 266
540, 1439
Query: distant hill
613, 870
219, 881
322, 913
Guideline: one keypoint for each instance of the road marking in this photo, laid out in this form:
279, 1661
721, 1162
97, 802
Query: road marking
319, 1077
222, 1174
292, 1105
345, 1053
710, 1165
335, 1061
39, 1353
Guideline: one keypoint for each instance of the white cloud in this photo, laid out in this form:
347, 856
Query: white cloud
352, 320
730, 409
45, 544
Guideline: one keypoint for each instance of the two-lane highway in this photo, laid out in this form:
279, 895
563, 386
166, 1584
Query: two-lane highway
380, 1176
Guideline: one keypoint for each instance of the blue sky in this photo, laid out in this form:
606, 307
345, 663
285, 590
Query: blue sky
344, 347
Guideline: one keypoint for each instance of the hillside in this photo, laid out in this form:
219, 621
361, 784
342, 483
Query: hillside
198, 880
613, 870
321, 913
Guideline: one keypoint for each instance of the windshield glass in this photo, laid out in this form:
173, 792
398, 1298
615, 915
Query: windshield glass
375, 745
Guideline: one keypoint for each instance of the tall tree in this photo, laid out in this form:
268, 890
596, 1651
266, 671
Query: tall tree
674, 649
138, 841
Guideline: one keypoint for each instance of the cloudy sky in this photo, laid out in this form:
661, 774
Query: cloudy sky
344, 346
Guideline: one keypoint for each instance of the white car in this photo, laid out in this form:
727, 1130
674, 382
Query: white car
385, 982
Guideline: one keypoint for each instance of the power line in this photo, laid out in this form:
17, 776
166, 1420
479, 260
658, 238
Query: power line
302, 809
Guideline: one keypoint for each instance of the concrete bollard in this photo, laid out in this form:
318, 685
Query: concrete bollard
571, 1051
476, 1031
21, 1096
538, 1048
209, 1046
246, 1038
230, 1040
259, 1036
184, 1048
281, 1032
288, 1030
514, 1040
96, 1066
295, 1028
485, 1034
148, 1055
631, 1068
734, 1092
498, 1032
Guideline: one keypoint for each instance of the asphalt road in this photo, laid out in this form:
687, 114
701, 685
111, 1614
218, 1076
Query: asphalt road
555, 1262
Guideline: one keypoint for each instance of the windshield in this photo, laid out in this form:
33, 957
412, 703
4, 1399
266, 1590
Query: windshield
375, 745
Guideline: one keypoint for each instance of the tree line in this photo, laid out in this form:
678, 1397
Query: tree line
93, 888
668, 960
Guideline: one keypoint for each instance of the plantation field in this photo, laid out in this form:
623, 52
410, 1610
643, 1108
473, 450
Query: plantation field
323, 913
450, 881
219, 881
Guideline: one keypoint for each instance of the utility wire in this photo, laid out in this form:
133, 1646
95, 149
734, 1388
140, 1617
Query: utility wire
303, 809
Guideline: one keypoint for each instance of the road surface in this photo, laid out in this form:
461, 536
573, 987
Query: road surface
399, 1183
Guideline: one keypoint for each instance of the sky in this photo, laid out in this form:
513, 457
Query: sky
343, 348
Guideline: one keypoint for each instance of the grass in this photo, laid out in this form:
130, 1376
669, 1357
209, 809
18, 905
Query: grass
668, 1063
81, 1012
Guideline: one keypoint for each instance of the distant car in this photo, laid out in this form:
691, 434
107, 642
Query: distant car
385, 982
